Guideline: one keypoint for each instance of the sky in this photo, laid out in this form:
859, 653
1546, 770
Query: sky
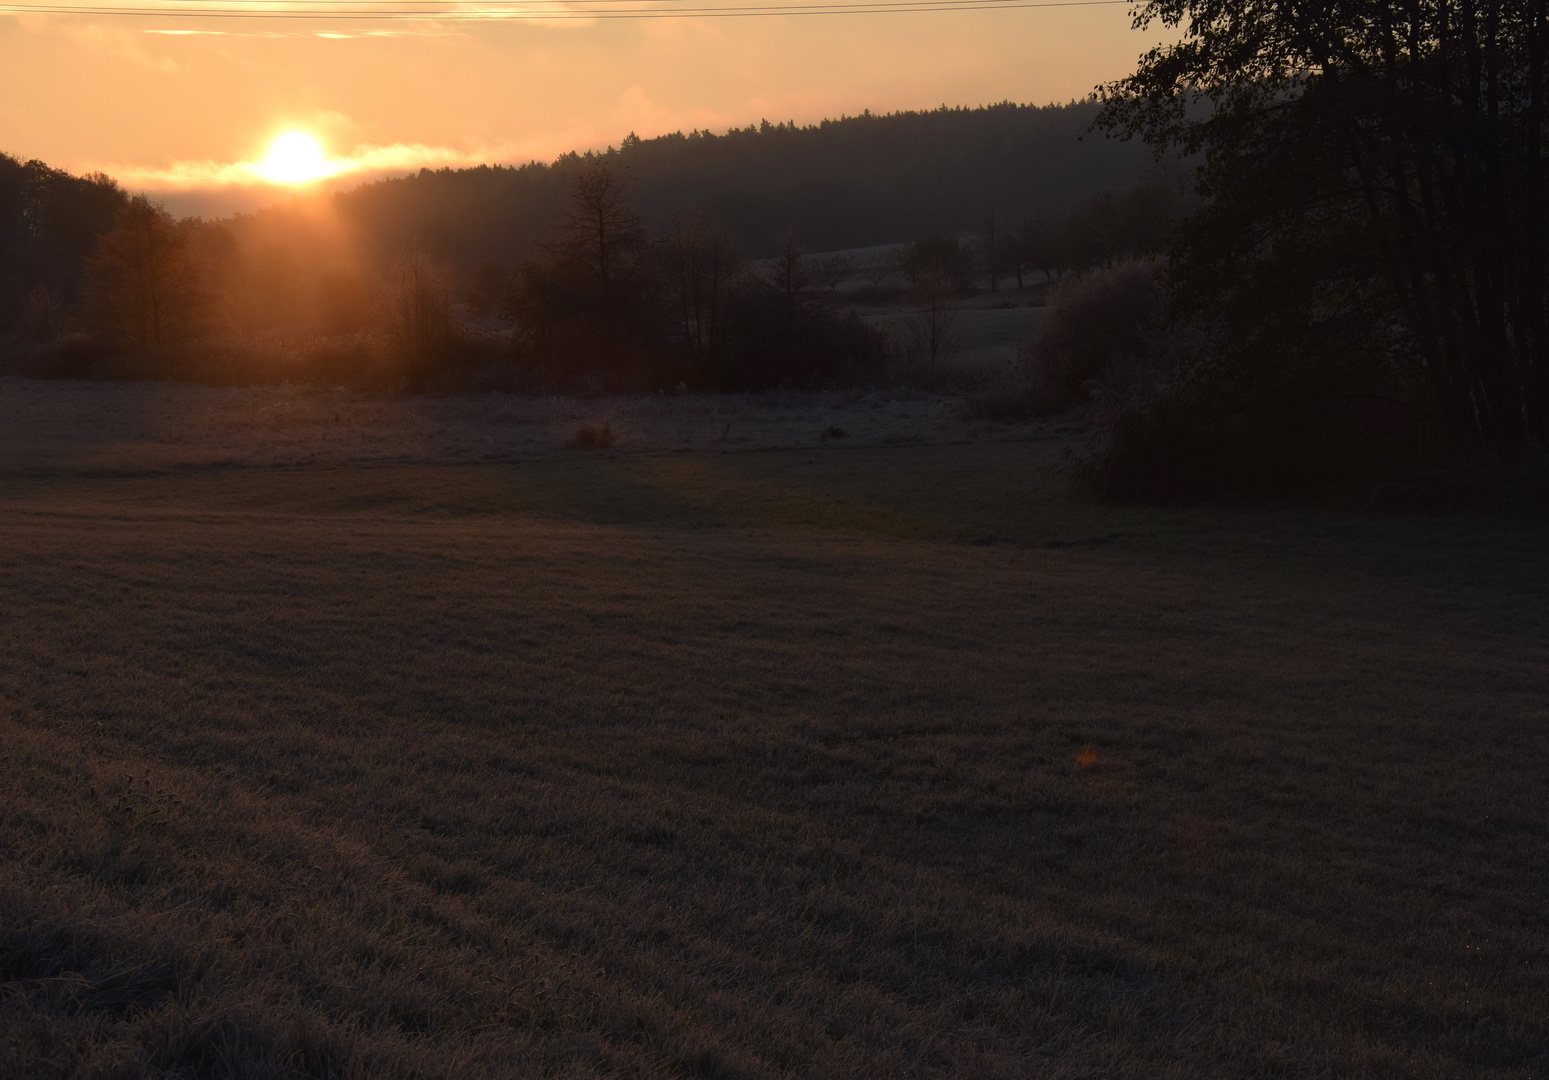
189, 108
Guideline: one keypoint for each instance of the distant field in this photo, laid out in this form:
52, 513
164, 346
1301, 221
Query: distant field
986, 331
854, 758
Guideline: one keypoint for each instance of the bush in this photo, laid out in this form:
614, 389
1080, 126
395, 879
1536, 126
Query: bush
769, 345
1209, 432
73, 355
1006, 398
1104, 322
938, 256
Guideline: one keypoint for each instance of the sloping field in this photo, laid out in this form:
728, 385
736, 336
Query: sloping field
875, 761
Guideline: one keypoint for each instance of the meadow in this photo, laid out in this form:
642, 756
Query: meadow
873, 755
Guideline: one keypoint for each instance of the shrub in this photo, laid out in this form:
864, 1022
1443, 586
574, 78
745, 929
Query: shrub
1105, 321
73, 355
773, 343
1102, 335
1008, 397
937, 255
1213, 432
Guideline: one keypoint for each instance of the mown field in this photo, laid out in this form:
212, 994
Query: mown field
844, 762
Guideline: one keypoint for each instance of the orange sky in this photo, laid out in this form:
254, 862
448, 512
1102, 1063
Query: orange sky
170, 112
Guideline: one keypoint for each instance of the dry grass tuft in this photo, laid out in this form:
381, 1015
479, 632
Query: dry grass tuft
591, 437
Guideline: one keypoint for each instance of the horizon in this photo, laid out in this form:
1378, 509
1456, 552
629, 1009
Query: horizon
214, 203
189, 111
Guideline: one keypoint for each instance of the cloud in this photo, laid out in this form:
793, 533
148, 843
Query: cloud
121, 43
330, 35
364, 160
217, 33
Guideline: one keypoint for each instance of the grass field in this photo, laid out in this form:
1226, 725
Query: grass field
859, 762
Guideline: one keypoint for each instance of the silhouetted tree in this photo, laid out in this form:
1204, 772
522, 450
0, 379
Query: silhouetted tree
699, 267
1034, 245
1115, 225
835, 270
791, 279
934, 256
603, 238
586, 303
992, 246
490, 283
879, 270
538, 306
41, 317
930, 323
418, 310
147, 286
1374, 191
49, 224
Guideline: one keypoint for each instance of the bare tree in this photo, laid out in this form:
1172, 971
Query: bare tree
935, 255
835, 270
417, 308
930, 325
490, 282
1035, 245
991, 242
700, 264
146, 283
791, 278
41, 318
593, 279
879, 270
600, 230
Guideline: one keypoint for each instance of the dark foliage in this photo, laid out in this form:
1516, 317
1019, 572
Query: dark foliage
490, 284
602, 291
1106, 319
1110, 226
842, 183
608, 306
937, 256
1370, 231
146, 285
49, 223
776, 342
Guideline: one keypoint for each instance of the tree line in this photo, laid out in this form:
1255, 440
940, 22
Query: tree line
1354, 296
49, 225
608, 297
1359, 300
842, 183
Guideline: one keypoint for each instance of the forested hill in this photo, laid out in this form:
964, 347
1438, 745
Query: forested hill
49, 223
842, 183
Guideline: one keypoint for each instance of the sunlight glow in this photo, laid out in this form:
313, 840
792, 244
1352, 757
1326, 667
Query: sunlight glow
294, 158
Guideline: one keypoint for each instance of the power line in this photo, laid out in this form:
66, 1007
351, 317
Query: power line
416, 11
454, 7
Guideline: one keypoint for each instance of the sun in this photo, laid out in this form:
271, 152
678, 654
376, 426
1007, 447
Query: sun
294, 158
